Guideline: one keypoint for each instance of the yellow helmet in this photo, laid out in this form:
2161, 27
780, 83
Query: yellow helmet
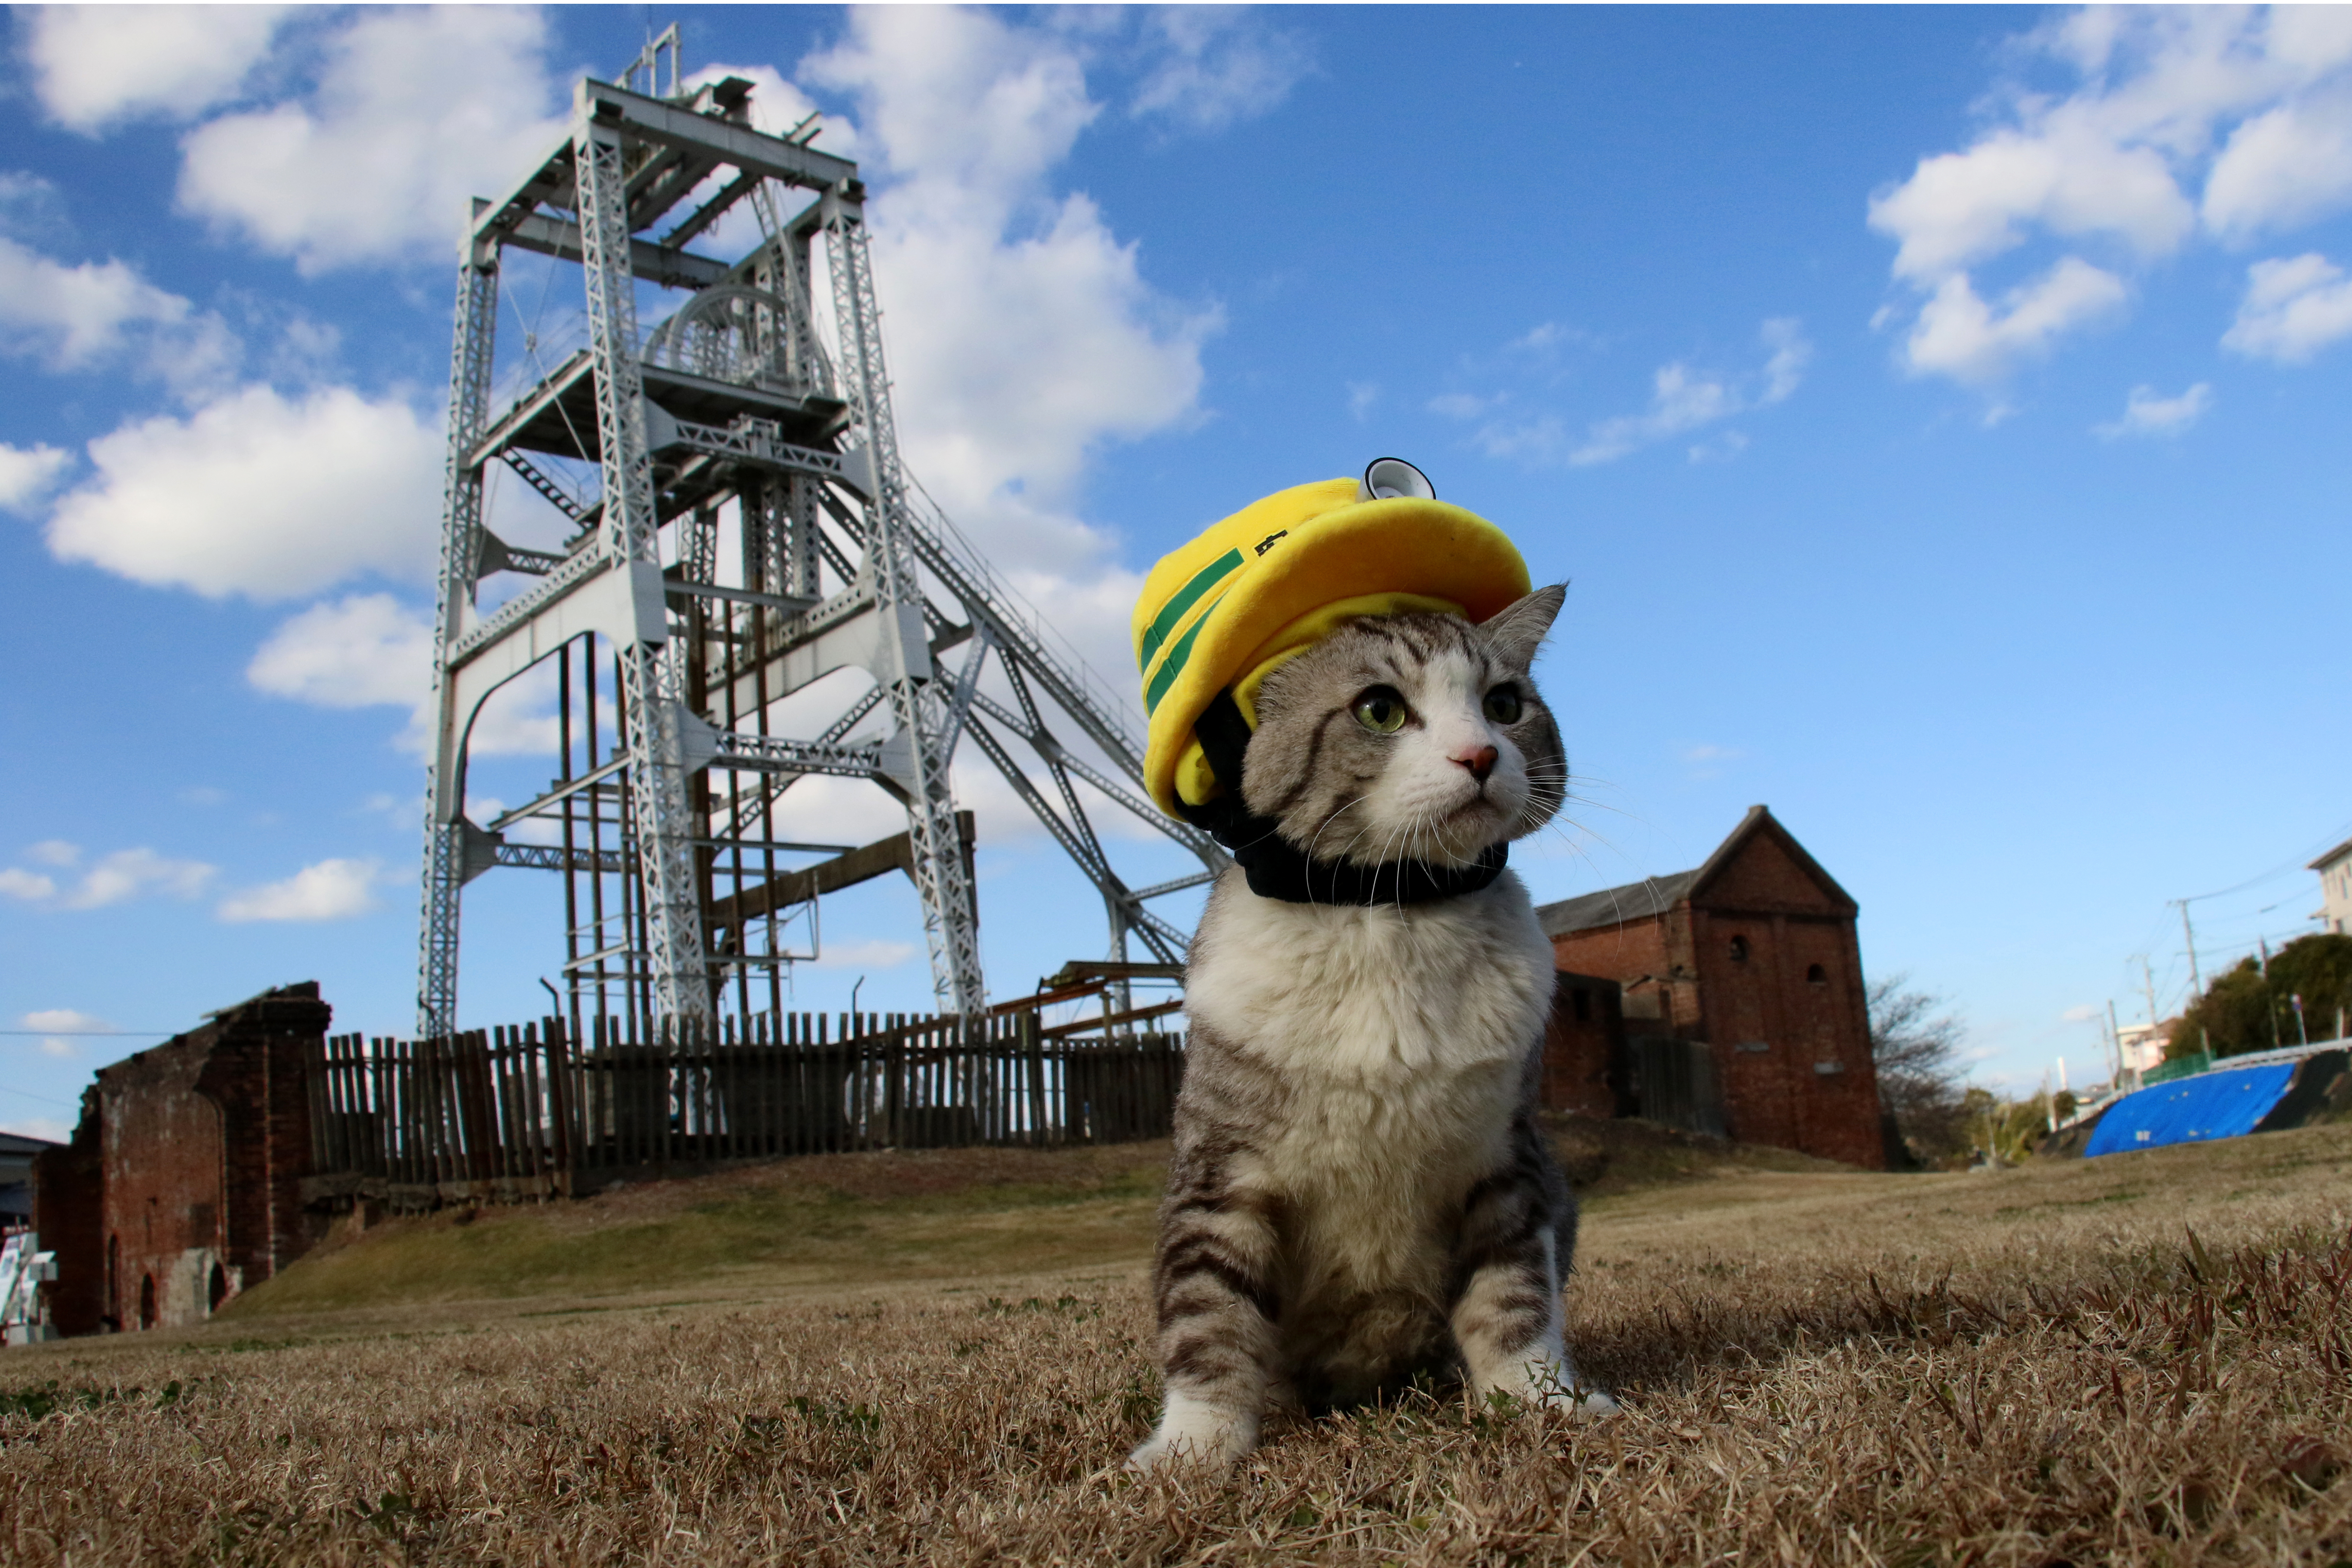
1276, 576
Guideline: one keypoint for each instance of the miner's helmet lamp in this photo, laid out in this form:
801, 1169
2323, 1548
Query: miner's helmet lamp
1279, 574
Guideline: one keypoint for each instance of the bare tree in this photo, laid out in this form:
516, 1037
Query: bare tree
1915, 1043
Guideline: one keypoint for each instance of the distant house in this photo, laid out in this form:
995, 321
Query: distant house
1729, 998
2334, 870
16, 1153
2142, 1045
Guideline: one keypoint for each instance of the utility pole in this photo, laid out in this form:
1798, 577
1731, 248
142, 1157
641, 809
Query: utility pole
2115, 1033
2189, 932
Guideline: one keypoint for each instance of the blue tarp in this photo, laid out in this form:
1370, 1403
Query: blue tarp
2223, 1104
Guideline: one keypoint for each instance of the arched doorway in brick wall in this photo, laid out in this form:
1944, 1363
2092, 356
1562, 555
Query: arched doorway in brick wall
217, 1290
146, 1300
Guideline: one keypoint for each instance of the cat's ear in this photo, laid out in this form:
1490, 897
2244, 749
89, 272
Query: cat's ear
1519, 629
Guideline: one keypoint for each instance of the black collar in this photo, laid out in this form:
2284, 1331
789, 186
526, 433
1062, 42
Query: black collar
1277, 868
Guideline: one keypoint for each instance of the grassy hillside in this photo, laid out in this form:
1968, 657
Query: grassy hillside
859, 1219
830, 1219
2144, 1358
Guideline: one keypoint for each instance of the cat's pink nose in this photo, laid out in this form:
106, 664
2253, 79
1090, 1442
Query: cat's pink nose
1480, 762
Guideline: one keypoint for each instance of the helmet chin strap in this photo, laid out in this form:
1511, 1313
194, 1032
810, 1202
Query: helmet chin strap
1277, 868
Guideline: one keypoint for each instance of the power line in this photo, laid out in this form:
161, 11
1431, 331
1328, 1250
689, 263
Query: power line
45, 1100
2298, 862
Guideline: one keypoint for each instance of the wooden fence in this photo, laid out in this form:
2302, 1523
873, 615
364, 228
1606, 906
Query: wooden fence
517, 1112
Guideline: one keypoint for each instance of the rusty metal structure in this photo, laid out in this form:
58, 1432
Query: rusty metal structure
754, 592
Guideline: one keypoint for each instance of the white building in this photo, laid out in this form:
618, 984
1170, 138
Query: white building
2142, 1045
2334, 870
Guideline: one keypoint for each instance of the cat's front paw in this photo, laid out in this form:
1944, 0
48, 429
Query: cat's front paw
1197, 1434
1555, 1386
1585, 1404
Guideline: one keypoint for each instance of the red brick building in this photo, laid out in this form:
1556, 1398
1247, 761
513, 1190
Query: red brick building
182, 1186
1740, 982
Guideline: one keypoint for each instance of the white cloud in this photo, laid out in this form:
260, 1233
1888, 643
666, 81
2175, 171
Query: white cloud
1546, 336
46, 1127
30, 886
76, 317
362, 649
1720, 448
1021, 331
2082, 1015
1680, 399
2148, 414
871, 953
55, 1046
128, 874
96, 64
2293, 309
2282, 169
2255, 105
415, 112
328, 890
366, 650
64, 1020
1791, 353
1707, 760
1962, 208
1362, 396
1959, 336
1217, 66
260, 494
1683, 399
401, 812
29, 203
1540, 439
518, 719
53, 852
27, 474
1463, 404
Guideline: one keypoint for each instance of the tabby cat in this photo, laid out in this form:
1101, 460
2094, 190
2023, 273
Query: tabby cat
1359, 1192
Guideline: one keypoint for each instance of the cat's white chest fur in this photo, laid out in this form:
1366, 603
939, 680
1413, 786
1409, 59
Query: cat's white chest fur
1401, 1034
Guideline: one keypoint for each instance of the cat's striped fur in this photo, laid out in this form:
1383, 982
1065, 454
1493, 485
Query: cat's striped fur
1359, 1192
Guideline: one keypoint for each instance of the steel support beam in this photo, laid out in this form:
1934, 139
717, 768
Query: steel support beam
461, 519
685, 702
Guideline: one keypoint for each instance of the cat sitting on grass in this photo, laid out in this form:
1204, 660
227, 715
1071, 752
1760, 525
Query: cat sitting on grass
1359, 1193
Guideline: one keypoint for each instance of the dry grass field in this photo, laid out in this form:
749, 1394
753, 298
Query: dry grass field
940, 1358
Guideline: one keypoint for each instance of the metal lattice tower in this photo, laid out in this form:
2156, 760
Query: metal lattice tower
692, 691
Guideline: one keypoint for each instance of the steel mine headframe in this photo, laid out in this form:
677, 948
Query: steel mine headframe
693, 691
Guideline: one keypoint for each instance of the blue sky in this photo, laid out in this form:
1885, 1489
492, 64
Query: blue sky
1939, 415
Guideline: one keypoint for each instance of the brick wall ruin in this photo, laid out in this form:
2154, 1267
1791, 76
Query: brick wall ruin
181, 1185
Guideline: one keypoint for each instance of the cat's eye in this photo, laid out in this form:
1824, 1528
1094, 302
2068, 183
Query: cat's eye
1381, 711
1503, 705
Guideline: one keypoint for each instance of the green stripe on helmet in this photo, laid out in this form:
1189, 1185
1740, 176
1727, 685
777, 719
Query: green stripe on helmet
1173, 665
1206, 578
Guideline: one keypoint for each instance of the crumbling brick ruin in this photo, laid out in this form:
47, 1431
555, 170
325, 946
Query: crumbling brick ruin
181, 1185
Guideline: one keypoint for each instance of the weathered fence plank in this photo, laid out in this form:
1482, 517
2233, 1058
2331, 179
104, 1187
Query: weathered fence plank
533, 1109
